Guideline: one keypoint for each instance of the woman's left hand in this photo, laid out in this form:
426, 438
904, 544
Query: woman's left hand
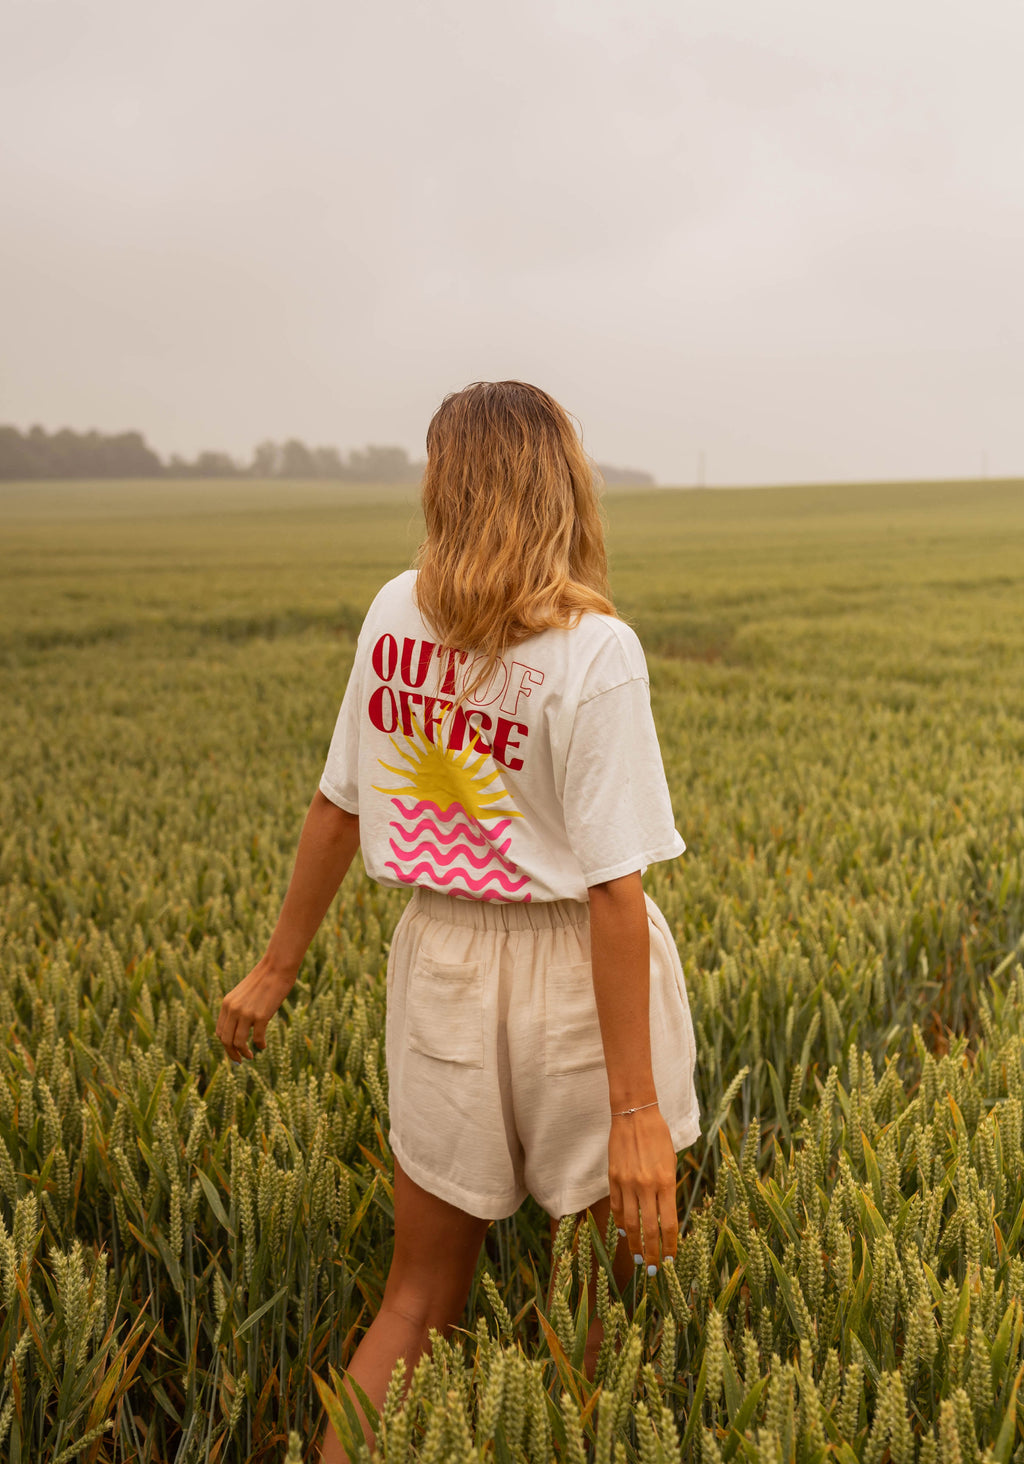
251, 1004
642, 1185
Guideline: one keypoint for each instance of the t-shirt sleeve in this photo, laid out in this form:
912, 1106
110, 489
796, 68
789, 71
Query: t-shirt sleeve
616, 803
340, 778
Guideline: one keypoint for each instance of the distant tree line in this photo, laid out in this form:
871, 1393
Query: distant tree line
621, 477
66, 454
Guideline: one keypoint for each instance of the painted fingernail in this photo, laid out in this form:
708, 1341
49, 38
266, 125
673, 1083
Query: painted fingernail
622, 1233
637, 1260
652, 1270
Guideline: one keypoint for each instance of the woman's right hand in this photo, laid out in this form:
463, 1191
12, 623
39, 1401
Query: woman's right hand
251, 1004
642, 1184
329, 839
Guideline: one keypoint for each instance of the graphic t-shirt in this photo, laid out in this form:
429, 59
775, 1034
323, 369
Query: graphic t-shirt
547, 780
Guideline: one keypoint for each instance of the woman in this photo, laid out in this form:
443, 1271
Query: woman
495, 751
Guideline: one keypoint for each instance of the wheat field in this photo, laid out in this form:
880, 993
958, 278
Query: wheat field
190, 1251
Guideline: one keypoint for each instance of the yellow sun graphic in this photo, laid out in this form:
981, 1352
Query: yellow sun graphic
446, 778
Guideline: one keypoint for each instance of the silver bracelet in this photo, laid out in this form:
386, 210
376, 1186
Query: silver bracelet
625, 1111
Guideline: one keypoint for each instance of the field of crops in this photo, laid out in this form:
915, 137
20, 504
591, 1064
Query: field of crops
838, 679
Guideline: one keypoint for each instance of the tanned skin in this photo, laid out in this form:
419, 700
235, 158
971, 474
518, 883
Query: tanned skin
436, 1244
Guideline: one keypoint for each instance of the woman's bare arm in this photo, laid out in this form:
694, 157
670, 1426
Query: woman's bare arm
641, 1159
327, 845
620, 956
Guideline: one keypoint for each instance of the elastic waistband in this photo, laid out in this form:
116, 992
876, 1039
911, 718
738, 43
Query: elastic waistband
500, 914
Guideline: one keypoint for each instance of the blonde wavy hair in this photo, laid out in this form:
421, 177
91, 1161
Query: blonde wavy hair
514, 541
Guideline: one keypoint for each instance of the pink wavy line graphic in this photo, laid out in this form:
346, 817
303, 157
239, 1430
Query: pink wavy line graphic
410, 876
414, 810
445, 856
495, 850
447, 835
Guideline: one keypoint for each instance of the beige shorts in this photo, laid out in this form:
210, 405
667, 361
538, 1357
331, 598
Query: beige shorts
496, 1072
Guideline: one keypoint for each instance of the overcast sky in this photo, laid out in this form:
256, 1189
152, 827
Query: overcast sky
788, 234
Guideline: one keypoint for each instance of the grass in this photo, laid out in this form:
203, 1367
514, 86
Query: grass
838, 679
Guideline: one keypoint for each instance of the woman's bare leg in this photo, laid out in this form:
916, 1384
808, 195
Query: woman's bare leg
622, 1269
436, 1251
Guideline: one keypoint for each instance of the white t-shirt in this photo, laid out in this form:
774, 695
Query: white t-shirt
548, 780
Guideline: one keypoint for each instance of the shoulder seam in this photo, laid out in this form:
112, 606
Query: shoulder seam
583, 701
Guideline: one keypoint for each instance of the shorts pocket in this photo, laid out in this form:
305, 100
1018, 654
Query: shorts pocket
572, 1031
445, 1017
